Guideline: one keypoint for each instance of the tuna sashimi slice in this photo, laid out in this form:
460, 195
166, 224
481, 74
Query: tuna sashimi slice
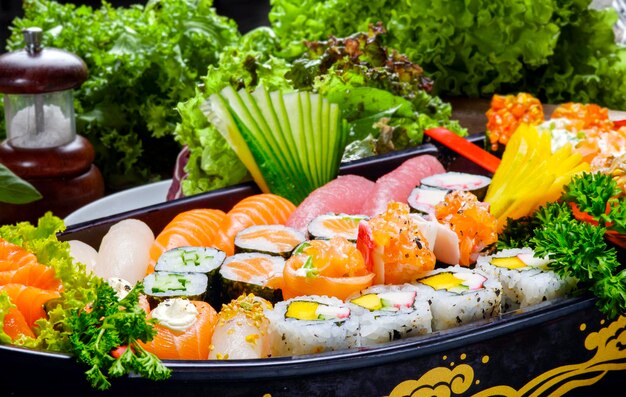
398, 184
343, 195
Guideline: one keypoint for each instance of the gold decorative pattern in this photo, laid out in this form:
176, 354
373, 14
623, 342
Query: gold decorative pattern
609, 344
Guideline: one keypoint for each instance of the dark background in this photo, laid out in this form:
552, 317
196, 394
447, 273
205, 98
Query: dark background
247, 13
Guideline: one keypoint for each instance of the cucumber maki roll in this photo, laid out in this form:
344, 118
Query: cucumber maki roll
252, 273
526, 280
312, 324
195, 260
450, 181
458, 295
159, 286
390, 312
268, 239
327, 226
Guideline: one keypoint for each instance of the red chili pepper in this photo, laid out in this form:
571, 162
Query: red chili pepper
465, 148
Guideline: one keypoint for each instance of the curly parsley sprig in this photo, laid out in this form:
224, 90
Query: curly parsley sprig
108, 324
597, 194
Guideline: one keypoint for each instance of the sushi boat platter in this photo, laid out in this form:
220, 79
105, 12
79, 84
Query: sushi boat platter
558, 344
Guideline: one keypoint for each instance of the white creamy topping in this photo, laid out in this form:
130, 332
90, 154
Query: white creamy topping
560, 131
121, 286
176, 314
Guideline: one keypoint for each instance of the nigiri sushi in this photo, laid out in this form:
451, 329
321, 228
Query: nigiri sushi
125, 251
241, 330
192, 228
83, 253
184, 329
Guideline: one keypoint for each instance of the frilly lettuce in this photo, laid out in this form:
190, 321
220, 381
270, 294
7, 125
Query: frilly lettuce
557, 50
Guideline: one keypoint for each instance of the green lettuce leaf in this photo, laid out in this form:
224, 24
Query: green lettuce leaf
15, 190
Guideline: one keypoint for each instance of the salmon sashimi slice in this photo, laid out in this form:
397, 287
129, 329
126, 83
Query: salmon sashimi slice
193, 228
13, 256
259, 209
191, 344
15, 324
29, 300
33, 274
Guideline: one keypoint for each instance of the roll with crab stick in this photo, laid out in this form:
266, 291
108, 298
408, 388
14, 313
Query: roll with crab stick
394, 247
325, 267
242, 330
458, 295
312, 324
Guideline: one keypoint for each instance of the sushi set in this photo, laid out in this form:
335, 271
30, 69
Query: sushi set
486, 332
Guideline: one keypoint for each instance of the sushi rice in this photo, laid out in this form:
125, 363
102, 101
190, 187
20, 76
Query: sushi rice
458, 295
391, 312
526, 280
312, 324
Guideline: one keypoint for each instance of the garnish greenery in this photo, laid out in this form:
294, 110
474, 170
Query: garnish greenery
15, 190
481, 47
598, 195
107, 324
575, 248
90, 334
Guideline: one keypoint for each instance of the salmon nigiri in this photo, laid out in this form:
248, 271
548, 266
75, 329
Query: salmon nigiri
184, 329
29, 300
259, 209
192, 228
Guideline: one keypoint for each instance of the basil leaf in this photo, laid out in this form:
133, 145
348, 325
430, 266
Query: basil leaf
14, 190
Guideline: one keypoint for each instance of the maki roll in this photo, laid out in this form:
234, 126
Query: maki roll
268, 239
242, 330
252, 273
423, 200
526, 280
159, 286
190, 260
195, 260
388, 312
453, 181
327, 226
312, 324
458, 296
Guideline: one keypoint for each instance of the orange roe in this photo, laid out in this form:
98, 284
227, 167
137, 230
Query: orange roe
584, 116
472, 222
507, 112
405, 253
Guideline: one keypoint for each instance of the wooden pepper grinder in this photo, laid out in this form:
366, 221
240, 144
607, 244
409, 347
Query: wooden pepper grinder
42, 146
